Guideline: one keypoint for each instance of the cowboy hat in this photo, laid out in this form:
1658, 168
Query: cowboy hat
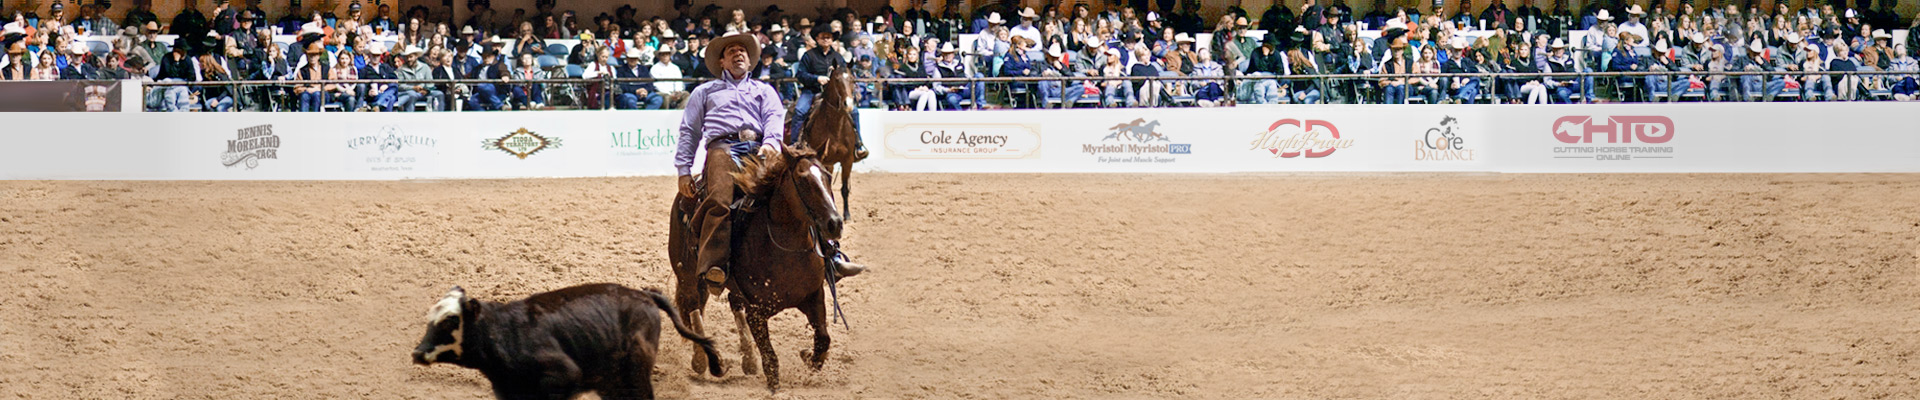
1029, 14
1559, 43
1698, 37
1793, 37
668, 34
77, 47
412, 50
466, 30
947, 48
1182, 37
1603, 15
776, 28
994, 18
1460, 42
631, 55
717, 49
1053, 50
1660, 46
1756, 46
1635, 10
376, 48
1881, 34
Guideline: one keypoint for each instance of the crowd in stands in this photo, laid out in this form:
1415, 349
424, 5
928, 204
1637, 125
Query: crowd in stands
1277, 55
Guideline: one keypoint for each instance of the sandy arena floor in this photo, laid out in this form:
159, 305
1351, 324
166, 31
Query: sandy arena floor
1012, 286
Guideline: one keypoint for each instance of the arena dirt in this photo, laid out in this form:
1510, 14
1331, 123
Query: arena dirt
1012, 286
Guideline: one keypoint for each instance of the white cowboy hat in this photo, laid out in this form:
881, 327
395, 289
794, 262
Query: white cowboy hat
1028, 13
1660, 45
1756, 46
77, 47
1394, 23
1053, 50
1881, 34
947, 48
1635, 10
776, 28
466, 30
376, 48
14, 27
1698, 37
1459, 42
309, 28
668, 34
1559, 43
632, 55
1603, 15
1182, 37
412, 50
1793, 37
717, 48
994, 18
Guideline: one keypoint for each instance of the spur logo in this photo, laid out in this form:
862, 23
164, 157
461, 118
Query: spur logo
1616, 138
1290, 138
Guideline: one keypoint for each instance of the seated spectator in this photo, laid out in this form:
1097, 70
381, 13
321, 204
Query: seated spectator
412, 70
81, 66
868, 92
45, 70
528, 95
1466, 60
1147, 92
1019, 66
1115, 93
215, 67
313, 95
1393, 89
638, 95
672, 93
378, 96
487, 96
1209, 93
602, 66
344, 93
1904, 87
1429, 63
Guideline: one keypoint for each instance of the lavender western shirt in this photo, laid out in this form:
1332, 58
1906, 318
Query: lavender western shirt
722, 107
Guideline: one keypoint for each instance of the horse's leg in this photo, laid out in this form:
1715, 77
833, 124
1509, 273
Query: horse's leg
757, 324
749, 363
692, 301
815, 307
846, 185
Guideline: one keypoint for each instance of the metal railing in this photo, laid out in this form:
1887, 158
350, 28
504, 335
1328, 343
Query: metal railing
601, 88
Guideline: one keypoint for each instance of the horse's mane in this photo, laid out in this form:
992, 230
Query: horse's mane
756, 173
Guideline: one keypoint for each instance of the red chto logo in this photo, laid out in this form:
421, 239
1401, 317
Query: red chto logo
1289, 138
1583, 129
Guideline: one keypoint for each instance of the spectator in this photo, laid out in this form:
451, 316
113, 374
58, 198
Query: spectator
1393, 89
921, 94
672, 93
774, 69
45, 70
1147, 91
346, 94
441, 63
1903, 87
407, 94
1467, 60
602, 66
384, 96
81, 66
638, 95
487, 96
176, 67
1115, 93
1428, 63
1209, 93
528, 95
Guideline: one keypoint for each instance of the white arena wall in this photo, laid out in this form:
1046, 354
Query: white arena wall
1665, 138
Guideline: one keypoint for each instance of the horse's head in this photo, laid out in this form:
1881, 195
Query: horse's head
840, 86
795, 182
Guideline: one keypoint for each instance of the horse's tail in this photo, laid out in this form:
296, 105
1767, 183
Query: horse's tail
673, 314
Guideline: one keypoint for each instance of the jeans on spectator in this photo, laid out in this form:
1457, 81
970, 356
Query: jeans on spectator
1563, 91
1817, 87
179, 98
1210, 92
485, 98
525, 96
1393, 93
630, 101
1050, 90
220, 104
1117, 94
1905, 85
1309, 96
311, 101
1468, 92
1750, 85
403, 100
1662, 84
384, 101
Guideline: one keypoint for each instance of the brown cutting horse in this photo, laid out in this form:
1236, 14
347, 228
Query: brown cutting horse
786, 209
829, 130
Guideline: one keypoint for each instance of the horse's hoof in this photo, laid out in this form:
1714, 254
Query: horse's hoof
749, 369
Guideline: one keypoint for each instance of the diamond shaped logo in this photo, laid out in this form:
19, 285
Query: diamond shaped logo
521, 143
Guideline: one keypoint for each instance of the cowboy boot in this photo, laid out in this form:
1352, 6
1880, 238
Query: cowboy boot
842, 265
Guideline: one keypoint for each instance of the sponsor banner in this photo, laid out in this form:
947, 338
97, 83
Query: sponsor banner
1745, 137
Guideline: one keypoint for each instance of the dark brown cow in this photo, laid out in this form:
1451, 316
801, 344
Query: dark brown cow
556, 345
